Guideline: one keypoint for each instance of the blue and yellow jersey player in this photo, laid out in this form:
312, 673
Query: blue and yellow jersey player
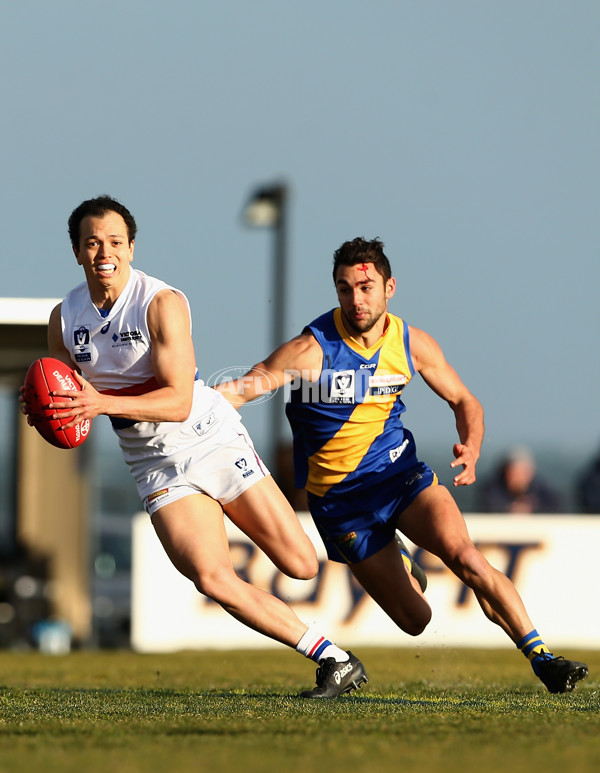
346, 374
352, 453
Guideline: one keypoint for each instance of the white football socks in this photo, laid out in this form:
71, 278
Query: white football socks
316, 647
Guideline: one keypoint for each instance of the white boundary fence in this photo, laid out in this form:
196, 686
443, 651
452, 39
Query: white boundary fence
553, 561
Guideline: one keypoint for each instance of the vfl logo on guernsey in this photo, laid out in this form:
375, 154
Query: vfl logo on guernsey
242, 466
81, 343
392, 384
342, 387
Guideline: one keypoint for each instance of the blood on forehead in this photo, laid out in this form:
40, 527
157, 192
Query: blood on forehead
364, 268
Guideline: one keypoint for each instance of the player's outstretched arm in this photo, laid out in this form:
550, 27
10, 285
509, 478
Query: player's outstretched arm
441, 377
302, 357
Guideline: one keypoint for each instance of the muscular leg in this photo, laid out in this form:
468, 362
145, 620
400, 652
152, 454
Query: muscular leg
434, 522
386, 580
192, 533
264, 514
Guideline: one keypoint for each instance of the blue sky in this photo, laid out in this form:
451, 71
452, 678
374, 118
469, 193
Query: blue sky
464, 134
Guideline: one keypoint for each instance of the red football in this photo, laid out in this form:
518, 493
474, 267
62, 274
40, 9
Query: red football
44, 376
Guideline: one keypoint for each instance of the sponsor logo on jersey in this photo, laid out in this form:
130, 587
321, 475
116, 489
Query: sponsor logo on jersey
396, 453
413, 479
391, 384
206, 423
154, 500
157, 494
126, 337
130, 335
242, 466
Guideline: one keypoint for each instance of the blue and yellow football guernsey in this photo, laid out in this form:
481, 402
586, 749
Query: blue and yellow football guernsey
347, 426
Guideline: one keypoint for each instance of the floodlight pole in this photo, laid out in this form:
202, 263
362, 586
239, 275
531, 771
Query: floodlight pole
279, 311
268, 207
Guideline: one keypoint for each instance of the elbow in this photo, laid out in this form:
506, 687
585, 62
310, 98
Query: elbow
182, 412
181, 409
466, 404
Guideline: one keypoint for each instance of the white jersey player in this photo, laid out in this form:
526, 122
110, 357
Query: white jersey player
192, 459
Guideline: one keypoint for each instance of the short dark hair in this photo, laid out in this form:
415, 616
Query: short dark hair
360, 250
98, 207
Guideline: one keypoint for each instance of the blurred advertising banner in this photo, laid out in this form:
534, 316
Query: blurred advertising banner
552, 560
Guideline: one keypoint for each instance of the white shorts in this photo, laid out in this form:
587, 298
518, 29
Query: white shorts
211, 453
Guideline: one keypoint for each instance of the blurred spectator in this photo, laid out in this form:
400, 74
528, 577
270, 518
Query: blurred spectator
588, 488
517, 488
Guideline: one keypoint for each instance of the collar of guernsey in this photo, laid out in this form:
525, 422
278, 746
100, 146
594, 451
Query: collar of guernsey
338, 440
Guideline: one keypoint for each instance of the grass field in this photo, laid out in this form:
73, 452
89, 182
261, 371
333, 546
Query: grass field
423, 710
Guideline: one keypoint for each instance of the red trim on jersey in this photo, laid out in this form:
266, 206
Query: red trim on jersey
257, 458
134, 389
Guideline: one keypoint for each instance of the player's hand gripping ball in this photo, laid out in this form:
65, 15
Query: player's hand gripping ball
43, 377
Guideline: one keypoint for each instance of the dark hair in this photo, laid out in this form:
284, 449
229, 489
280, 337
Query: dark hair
98, 207
361, 251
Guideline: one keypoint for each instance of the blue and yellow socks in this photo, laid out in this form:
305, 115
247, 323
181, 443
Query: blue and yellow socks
316, 647
534, 650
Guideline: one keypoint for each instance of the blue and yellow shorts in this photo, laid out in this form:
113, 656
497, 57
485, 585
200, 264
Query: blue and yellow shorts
357, 524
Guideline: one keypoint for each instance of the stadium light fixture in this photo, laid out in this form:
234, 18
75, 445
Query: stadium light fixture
264, 208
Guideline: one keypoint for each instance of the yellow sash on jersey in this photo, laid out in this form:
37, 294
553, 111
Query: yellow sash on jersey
343, 453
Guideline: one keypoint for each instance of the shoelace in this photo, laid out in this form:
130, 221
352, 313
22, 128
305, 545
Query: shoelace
324, 669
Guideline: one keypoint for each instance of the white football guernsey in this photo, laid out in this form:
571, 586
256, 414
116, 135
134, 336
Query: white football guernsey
210, 452
113, 352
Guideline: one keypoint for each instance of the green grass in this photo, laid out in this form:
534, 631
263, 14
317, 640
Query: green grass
423, 710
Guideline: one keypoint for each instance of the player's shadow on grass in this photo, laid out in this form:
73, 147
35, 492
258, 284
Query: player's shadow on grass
295, 700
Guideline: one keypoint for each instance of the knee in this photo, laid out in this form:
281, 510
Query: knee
418, 622
214, 584
469, 565
412, 618
298, 561
301, 567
